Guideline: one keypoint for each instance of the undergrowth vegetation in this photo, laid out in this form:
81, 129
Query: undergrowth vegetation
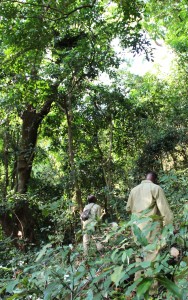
56, 270
77, 119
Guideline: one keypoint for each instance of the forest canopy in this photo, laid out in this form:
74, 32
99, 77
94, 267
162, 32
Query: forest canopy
66, 134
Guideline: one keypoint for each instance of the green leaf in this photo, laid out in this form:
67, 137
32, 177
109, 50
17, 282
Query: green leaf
11, 285
89, 295
145, 264
181, 274
127, 254
171, 286
15, 296
133, 286
141, 239
49, 290
144, 286
114, 255
117, 275
43, 251
124, 256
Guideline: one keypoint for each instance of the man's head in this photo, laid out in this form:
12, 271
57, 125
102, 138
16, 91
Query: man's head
91, 199
152, 176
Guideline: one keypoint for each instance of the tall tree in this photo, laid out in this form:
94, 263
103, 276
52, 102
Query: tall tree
48, 46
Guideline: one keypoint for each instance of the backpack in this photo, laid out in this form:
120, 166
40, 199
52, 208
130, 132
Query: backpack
86, 213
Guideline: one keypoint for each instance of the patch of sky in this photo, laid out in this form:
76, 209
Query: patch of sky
163, 58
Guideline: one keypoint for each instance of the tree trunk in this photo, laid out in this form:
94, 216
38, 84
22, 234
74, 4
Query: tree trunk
69, 117
107, 165
21, 219
30, 125
31, 122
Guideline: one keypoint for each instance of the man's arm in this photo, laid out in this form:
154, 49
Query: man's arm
164, 207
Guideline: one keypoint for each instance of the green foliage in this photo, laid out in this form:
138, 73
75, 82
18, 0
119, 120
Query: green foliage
57, 272
175, 185
53, 52
172, 22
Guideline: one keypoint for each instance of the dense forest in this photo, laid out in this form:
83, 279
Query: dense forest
66, 133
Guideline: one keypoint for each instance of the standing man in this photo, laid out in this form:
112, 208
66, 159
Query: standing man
89, 226
145, 200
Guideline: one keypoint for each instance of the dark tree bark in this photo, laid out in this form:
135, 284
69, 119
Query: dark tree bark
31, 122
21, 219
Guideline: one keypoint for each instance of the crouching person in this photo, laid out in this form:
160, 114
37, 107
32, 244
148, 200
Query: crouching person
90, 216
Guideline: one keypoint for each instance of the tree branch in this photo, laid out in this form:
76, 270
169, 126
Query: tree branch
47, 105
49, 7
79, 8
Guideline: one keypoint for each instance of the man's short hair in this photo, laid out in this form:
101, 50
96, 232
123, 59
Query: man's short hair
152, 174
91, 199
